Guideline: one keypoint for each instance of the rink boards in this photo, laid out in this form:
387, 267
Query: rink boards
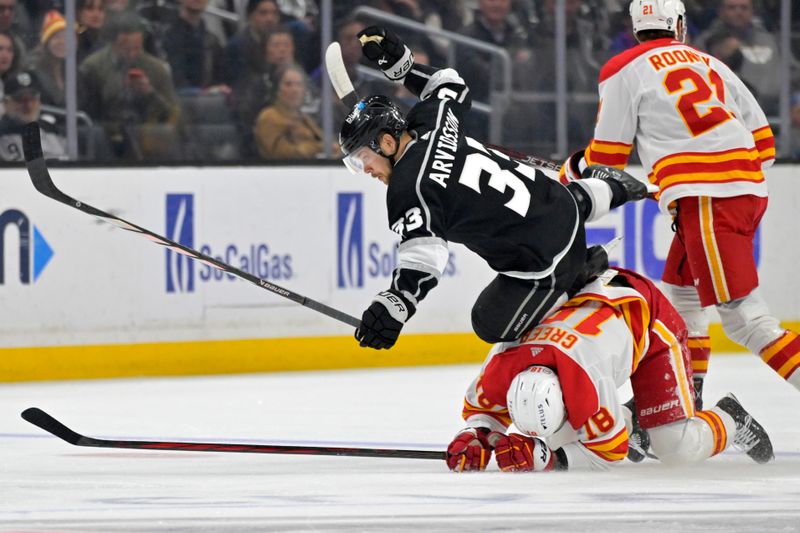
82, 298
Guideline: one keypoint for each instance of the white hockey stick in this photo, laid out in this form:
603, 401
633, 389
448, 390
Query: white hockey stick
338, 75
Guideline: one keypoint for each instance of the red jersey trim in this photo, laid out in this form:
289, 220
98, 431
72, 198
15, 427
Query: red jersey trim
618, 62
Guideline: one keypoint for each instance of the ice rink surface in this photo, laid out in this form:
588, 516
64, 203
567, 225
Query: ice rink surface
51, 486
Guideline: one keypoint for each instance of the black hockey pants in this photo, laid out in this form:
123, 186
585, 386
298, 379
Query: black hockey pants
510, 307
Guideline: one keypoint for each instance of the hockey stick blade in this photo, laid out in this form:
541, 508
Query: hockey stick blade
40, 176
337, 73
39, 418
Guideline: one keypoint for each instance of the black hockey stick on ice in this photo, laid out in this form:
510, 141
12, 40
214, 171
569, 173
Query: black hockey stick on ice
39, 418
343, 86
37, 169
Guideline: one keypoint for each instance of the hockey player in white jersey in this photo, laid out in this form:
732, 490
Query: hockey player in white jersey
443, 186
559, 388
704, 141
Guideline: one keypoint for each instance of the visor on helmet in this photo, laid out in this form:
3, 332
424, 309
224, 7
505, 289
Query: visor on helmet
359, 159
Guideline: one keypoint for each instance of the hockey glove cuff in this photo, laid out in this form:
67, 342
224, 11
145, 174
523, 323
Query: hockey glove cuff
519, 453
469, 450
572, 168
385, 49
624, 187
382, 321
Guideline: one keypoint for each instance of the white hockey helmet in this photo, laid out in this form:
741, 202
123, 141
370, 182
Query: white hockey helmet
535, 402
656, 15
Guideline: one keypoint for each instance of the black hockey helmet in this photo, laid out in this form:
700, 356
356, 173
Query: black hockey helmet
370, 117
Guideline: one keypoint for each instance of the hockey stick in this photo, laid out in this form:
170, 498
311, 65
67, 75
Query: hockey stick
337, 73
528, 159
37, 169
39, 418
344, 89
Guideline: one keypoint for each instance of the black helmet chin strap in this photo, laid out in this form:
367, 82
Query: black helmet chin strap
391, 157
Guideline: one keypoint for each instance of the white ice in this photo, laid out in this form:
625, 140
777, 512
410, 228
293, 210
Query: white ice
47, 485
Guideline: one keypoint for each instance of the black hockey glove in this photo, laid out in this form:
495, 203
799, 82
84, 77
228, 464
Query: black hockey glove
624, 187
382, 321
387, 51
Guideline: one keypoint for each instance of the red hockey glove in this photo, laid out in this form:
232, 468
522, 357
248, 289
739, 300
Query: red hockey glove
470, 450
518, 453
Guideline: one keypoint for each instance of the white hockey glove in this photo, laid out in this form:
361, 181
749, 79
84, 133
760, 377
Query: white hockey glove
382, 321
387, 51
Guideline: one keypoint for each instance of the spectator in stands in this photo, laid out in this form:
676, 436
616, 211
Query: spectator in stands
47, 59
195, 54
126, 10
493, 25
622, 39
91, 16
760, 56
130, 93
9, 63
23, 105
254, 91
583, 55
282, 130
8, 9
449, 15
302, 18
423, 12
245, 50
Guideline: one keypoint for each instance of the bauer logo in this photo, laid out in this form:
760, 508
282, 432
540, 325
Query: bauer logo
350, 240
32, 256
180, 228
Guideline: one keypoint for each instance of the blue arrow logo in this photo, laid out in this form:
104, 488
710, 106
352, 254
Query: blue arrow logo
42, 253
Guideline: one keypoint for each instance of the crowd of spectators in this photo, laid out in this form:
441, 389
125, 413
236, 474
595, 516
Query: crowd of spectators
171, 80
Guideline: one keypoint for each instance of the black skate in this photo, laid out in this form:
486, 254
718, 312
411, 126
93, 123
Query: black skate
624, 187
596, 264
750, 436
638, 438
698, 393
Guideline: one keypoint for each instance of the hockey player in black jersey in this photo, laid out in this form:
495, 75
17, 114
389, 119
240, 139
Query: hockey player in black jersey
446, 187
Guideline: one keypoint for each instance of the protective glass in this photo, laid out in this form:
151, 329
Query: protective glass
360, 158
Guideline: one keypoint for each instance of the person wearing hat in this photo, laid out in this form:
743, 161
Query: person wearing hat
23, 105
47, 60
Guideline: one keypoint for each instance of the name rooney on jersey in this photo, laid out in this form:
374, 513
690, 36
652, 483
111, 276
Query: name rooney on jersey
445, 150
671, 57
